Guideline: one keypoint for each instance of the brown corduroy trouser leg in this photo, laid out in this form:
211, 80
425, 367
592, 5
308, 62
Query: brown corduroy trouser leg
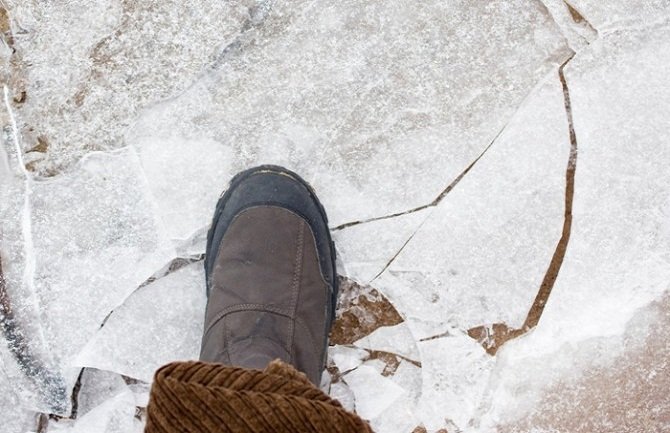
199, 397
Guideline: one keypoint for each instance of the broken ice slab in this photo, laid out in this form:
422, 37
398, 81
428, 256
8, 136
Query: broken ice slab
455, 373
185, 177
379, 105
88, 68
396, 339
365, 250
347, 358
577, 30
605, 384
482, 254
593, 331
373, 392
82, 244
159, 323
618, 259
116, 415
96, 387
401, 416
15, 419
342, 393
616, 14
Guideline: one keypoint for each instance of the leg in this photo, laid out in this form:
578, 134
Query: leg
272, 288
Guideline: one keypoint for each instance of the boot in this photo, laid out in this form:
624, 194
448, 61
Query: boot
271, 279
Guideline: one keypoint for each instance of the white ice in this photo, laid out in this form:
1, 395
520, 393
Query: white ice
131, 345
482, 253
124, 120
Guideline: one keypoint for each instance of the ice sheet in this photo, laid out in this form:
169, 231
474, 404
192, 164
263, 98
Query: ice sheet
483, 252
615, 14
394, 339
597, 328
375, 131
88, 67
159, 323
15, 419
365, 249
372, 391
619, 254
116, 415
97, 386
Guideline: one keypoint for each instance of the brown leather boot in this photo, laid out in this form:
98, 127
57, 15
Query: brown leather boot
271, 279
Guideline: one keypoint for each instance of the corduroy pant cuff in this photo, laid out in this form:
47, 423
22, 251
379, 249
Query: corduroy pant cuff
199, 397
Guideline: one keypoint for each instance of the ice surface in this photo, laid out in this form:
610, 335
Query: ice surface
401, 415
15, 419
381, 106
619, 255
186, 177
132, 345
394, 339
614, 14
94, 239
346, 358
116, 415
88, 67
455, 372
482, 254
342, 393
597, 318
98, 386
314, 88
366, 249
372, 391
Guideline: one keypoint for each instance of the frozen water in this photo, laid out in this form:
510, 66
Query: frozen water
394, 339
98, 386
483, 252
131, 345
346, 358
455, 372
614, 14
437, 135
360, 122
366, 249
186, 178
596, 322
76, 247
116, 415
88, 67
16, 419
373, 392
